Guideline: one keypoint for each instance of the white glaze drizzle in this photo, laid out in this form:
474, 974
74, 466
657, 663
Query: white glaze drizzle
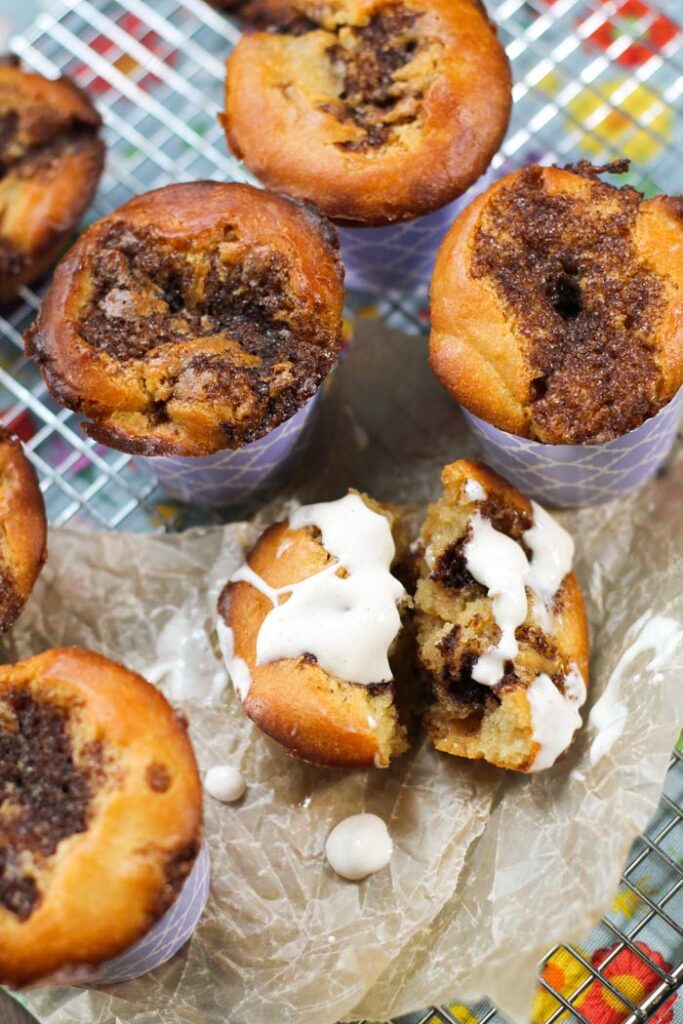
238, 669
555, 716
500, 564
359, 846
347, 622
552, 554
657, 633
474, 490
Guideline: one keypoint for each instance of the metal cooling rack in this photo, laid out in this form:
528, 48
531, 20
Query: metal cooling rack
156, 70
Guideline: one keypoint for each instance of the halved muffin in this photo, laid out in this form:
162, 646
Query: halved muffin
311, 628
501, 627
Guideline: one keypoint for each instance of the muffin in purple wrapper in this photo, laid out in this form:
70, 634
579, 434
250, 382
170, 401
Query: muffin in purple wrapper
557, 313
168, 935
103, 875
196, 322
381, 113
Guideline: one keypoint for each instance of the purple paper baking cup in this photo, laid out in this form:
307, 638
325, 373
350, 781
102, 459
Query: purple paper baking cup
401, 256
573, 475
234, 476
167, 936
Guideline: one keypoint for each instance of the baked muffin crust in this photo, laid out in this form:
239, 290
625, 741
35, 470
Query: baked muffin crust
51, 158
23, 529
557, 302
100, 813
194, 318
377, 110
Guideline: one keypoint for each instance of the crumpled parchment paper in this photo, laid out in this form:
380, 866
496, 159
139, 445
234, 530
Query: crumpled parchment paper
490, 869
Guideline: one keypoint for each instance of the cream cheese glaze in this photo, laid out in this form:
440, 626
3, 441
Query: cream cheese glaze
346, 615
359, 846
500, 564
555, 716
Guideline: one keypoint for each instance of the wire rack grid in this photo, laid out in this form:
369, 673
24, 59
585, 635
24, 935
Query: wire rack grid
593, 78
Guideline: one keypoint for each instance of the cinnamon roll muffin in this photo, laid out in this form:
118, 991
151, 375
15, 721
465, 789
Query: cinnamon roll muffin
100, 813
557, 305
378, 111
195, 318
51, 159
23, 529
311, 630
501, 627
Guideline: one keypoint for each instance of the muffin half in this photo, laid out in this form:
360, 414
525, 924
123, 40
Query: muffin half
311, 628
52, 157
501, 627
100, 813
193, 319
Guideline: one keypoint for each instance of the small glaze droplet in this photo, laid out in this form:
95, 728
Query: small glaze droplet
224, 783
359, 846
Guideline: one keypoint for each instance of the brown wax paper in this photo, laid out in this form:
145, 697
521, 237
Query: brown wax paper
490, 868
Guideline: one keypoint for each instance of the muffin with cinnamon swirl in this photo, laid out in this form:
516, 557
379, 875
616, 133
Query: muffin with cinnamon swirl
100, 813
381, 112
194, 320
557, 303
51, 159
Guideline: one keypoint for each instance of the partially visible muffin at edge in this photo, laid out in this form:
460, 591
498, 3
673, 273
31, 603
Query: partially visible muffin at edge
194, 318
23, 529
557, 306
378, 111
102, 814
52, 157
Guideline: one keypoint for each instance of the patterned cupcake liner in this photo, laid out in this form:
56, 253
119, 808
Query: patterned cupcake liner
233, 476
401, 256
577, 475
167, 936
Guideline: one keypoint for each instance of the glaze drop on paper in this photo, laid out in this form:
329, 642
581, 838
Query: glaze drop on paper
359, 846
225, 783
348, 622
555, 716
608, 716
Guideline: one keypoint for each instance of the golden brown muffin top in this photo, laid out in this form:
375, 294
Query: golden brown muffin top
100, 812
23, 529
194, 318
51, 158
557, 302
376, 110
